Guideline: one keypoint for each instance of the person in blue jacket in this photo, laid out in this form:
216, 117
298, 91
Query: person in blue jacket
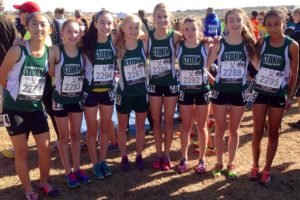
212, 24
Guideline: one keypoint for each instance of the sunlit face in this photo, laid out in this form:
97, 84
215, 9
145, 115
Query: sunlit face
274, 25
235, 22
161, 18
131, 30
104, 25
38, 27
190, 31
71, 33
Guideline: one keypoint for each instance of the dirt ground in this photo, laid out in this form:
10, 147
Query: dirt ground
149, 184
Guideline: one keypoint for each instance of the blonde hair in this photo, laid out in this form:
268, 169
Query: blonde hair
296, 11
161, 6
120, 37
197, 21
247, 32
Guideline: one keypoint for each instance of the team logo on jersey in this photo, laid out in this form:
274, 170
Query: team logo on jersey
173, 89
118, 99
207, 96
4, 120
84, 97
214, 94
56, 106
111, 95
151, 88
181, 96
253, 96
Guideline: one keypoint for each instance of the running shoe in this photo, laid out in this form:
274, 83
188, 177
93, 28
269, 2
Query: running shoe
218, 169
125, 164
253, 174
8, 153
265, 177
182, 167
105, 169
139, 162
231, 172
166, 164
32, 196
48, 190
82, 177
156, 164
97, 171
200, 167
72, 180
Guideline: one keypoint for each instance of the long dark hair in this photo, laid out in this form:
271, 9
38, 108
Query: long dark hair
91, 37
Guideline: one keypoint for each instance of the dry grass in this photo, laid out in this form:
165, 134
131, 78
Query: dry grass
166, 185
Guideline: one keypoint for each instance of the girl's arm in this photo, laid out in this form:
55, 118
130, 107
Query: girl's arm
212, 55
177, 37
145, 46
53, 55
10, 59
256, 59
294, 52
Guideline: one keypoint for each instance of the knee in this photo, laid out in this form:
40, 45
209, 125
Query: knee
21, 154
156, 121
273, 137
63, 140
233, 133
75, 136
168, 124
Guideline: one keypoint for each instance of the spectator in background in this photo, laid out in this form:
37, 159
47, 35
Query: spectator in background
262, 31
82, 21
8, 34
146, 24
212, 24
20, 28
296, 36
254, 22
59, 19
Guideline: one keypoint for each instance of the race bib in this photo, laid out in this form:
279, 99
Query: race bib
134, 73
269, 78
72, 84
232, 69
31, 88
103, 73
160, 67
191, 77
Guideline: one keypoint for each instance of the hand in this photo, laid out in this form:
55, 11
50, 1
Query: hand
19, 41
